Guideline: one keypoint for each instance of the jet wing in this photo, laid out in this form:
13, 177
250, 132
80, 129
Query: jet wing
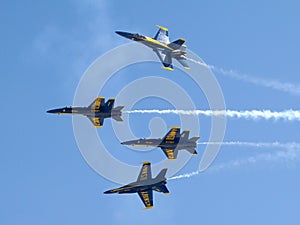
145, 173
97, 121
165, 60
170, 153
162, 35
147, 198
97, 103
172, 135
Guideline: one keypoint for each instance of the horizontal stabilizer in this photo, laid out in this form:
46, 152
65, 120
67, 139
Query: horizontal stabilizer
183, 63
192, 151
117, 118
162, 189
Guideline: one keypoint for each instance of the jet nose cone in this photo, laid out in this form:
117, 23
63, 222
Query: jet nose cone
127, 143
125, 34
52, 111
58, 111
109, 192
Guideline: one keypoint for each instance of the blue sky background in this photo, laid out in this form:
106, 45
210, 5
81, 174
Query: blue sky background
47, 46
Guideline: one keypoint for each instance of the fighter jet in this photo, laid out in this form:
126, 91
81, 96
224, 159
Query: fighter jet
145, 185
162, 46
96, 112
171, 143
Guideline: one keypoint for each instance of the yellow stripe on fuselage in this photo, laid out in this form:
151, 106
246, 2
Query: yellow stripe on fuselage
153, 41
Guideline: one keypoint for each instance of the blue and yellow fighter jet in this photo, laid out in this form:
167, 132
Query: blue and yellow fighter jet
171, 143
96, 112
162, 46
145, 185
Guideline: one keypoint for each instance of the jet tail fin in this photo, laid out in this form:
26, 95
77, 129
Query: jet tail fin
194, 138
162, 174
117, 118
162, 177
177, 44
107, 107
117, 109
185, 134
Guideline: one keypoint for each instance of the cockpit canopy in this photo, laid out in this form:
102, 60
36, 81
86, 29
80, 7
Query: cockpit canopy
138, 36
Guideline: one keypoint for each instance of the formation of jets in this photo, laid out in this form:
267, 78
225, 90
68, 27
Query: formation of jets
170, 144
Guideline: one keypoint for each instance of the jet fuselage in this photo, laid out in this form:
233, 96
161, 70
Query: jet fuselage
158, 142
85, 111
134, 187
154, 44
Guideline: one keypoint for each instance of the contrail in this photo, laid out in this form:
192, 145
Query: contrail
291, 88
289, 152
288, 115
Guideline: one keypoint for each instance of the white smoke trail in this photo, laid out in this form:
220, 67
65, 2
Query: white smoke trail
274, 84
275, 144
186, 175
289, 115
288, 155
199, 62
289, 152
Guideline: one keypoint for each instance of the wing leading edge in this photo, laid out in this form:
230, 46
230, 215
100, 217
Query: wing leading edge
97, 103
172, 136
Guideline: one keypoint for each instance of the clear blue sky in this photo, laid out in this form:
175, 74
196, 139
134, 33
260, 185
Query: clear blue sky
46, 47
